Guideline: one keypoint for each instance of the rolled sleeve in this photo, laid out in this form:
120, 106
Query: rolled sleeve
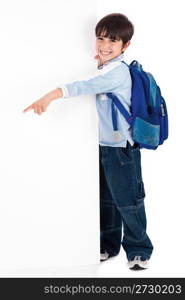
64, 91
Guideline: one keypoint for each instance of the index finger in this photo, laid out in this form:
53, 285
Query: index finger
28, 108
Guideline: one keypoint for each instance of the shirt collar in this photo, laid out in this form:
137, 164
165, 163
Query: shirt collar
117, 58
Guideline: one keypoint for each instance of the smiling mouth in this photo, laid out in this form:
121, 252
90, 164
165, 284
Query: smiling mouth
105, 52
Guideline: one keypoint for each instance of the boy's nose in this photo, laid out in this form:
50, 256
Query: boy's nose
105, 47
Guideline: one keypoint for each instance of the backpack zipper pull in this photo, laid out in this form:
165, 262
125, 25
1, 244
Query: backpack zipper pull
162, 110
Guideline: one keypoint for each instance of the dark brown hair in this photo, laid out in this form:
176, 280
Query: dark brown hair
115, 26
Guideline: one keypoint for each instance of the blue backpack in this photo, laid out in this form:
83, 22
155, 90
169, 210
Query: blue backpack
148, 118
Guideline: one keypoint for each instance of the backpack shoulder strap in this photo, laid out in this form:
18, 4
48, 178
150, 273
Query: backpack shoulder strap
121, 108
125, 63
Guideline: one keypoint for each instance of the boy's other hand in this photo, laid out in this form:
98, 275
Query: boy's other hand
98, 60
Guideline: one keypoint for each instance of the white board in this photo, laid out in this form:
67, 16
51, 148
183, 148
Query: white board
49, 195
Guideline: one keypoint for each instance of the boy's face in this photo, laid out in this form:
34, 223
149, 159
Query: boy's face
108, 49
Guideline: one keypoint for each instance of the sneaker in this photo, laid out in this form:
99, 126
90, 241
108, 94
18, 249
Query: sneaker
104, 255
138, 264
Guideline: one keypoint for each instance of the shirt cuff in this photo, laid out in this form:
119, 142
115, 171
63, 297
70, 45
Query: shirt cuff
64, 91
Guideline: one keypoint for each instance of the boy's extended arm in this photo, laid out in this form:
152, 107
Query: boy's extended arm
103, 81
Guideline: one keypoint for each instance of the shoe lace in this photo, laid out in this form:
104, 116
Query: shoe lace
137, 258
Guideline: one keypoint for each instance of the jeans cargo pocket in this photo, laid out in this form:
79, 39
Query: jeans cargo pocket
141, 190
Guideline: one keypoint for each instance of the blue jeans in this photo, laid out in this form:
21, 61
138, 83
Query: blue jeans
122, 196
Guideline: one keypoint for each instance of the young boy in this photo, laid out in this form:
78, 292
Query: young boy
122, 190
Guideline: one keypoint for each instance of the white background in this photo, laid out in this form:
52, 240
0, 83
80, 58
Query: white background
32, 64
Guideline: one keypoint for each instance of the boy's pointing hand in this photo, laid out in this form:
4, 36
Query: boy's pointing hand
39, 106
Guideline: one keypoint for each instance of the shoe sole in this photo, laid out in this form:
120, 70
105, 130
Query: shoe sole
104, 259
110, 256
137, 267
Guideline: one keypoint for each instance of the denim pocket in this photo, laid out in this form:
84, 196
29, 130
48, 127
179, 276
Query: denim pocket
125, 156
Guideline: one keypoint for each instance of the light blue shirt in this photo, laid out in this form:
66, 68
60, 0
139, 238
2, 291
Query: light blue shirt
112, 77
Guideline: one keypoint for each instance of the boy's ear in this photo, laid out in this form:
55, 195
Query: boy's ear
126, 46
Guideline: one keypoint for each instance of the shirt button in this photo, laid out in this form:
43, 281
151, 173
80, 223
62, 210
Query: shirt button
103, 97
